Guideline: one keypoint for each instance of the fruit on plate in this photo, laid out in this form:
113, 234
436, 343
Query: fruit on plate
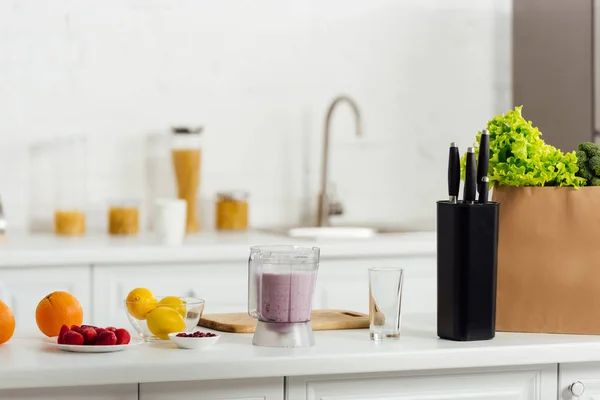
7, 323
75, 328
123, 336
63, 329
164, 320
175, 303
89, 335
140, 302
107, 338
73, 338
55, 310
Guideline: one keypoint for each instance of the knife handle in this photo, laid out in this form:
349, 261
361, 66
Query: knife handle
483, 188
453, 173
470, 177
483, 160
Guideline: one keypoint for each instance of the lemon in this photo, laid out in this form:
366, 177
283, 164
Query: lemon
140, 302
164, 320
175, 303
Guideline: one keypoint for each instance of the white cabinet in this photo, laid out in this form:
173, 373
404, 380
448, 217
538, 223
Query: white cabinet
528, 383
246, 389
585, 376
22, 288
222, 285
108, 392
344, 284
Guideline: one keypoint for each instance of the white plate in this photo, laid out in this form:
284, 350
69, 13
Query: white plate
90, 349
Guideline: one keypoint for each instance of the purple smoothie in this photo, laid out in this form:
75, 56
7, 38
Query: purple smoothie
287, 297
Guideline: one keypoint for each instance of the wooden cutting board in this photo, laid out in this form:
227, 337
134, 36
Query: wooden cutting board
321, 320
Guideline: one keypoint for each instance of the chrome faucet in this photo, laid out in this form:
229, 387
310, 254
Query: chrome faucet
329, 207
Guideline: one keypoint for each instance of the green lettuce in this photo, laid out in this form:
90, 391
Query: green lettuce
520, 157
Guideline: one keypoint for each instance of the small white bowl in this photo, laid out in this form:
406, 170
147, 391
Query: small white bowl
194, 343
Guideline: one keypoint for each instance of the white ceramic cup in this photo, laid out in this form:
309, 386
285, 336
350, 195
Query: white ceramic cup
169, 221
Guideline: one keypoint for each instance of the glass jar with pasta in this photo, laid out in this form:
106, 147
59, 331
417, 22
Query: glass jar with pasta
69, 222
231, 211
123, 217
187, 158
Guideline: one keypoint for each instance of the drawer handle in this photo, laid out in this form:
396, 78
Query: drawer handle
577, 388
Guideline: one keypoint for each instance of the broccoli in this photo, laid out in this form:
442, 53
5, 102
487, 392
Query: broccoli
590, 149
594, 165
582, 160
582, 163
594, 182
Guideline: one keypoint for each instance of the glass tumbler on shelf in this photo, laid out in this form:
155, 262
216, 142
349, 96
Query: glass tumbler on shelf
186, 155
58, 186
385, 302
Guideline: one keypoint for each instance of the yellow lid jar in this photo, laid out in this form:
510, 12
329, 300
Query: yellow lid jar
232, 211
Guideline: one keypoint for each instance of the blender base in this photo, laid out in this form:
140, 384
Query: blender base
278, 334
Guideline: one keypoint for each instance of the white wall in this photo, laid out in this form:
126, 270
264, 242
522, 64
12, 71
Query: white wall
259, 76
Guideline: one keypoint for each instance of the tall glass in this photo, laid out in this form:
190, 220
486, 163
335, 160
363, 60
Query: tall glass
186, 162
385, 302
58, 185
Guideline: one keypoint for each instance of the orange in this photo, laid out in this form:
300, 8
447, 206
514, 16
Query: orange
7, 323
58, 309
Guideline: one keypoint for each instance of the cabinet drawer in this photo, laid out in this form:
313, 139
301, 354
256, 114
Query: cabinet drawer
587, 377
108, 392
523, 383
242, 389
223, 286
22, 289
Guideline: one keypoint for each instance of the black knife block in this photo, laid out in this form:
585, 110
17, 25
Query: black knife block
467, 260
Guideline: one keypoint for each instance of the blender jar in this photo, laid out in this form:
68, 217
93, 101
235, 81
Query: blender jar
282, 283
186, 155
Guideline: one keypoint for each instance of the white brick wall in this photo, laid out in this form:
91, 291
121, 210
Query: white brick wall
259, 76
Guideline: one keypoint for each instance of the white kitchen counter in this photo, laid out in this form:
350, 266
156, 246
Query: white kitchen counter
28, 362
41, 250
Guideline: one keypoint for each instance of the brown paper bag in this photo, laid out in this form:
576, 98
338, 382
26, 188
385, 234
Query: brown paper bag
548, 260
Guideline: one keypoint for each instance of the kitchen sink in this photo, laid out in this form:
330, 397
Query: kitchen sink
336, 232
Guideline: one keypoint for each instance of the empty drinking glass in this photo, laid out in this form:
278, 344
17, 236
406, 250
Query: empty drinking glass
385, 302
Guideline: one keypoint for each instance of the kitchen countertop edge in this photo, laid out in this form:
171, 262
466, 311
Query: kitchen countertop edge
49, 250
